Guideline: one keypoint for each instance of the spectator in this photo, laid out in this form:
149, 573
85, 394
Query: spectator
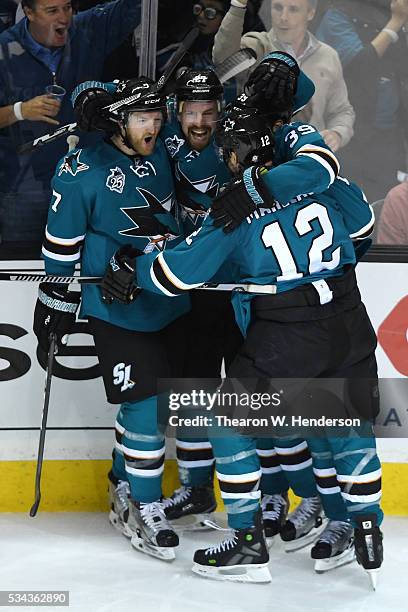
172, 28
374, 54
48, 46
330, 111
7, 14
393, 222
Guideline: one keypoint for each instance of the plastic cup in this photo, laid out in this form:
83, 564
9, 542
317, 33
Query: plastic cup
55, 91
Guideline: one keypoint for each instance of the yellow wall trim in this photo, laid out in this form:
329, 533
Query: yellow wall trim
81, 486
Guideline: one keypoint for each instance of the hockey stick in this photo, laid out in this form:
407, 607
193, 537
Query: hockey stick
40, 455
185, 45
10, 275
42, 140
235, 64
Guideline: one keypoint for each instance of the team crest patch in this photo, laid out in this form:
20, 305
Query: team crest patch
116, 180
72, 164
174, 144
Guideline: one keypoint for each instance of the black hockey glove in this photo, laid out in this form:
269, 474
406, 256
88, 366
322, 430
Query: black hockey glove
275, 80
87, 107
54, 313
119, 282
240, 198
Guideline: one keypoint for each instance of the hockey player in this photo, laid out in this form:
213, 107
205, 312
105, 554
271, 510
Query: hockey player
298, 247
213, 334
119, 194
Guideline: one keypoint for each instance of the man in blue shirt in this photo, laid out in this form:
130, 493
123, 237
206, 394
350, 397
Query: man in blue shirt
49, 47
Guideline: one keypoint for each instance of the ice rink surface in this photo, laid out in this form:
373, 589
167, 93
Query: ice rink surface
82, 553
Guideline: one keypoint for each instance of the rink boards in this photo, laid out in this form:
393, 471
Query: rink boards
79, 440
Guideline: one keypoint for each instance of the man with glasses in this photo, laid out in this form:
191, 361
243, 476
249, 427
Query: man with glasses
209, 14
330, 110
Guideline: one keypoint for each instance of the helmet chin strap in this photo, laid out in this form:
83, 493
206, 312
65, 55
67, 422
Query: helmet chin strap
125, 138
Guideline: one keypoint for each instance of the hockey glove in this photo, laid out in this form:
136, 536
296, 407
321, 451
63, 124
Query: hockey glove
240, 198
54, 313
119, 282
88, 106
275, 80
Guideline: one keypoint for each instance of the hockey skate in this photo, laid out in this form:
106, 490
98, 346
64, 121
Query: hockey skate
189, 508
119, 492
335, 547
274, 512
304, 524
241, 557
368, 544
150, 531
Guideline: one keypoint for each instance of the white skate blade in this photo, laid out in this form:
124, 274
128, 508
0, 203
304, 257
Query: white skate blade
325, 565
192, 522
118, 524
159, 552
373, 576
235, 573
303, 541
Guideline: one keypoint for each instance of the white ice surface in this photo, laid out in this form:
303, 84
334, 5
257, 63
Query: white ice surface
82, 553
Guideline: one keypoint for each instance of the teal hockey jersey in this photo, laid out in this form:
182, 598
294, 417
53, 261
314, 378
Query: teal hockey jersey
103, 199
291, 244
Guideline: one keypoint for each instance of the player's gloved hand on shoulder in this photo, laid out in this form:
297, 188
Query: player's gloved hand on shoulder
240, 198
119, 282
54, 313
88, 105
275, 79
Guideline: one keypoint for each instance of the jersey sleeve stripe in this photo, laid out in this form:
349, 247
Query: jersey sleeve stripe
166, 279
324, 156
161, 281
327, 166
59, 257
60, 249
365, 231
63, 241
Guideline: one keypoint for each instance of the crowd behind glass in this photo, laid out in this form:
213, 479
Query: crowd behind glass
356, 52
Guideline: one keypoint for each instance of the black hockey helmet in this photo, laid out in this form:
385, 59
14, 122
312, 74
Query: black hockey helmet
248, 136
198, 86
137, 95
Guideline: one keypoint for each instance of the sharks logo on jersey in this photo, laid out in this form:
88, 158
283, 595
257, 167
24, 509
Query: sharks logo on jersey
153, 221
143, 168
191, 208
174, 144
72, 164
116, 180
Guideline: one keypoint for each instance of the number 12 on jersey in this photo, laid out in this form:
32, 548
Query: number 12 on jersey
273, 237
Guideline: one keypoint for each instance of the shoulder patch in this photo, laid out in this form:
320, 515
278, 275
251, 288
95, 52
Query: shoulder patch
72, 164
174, 144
